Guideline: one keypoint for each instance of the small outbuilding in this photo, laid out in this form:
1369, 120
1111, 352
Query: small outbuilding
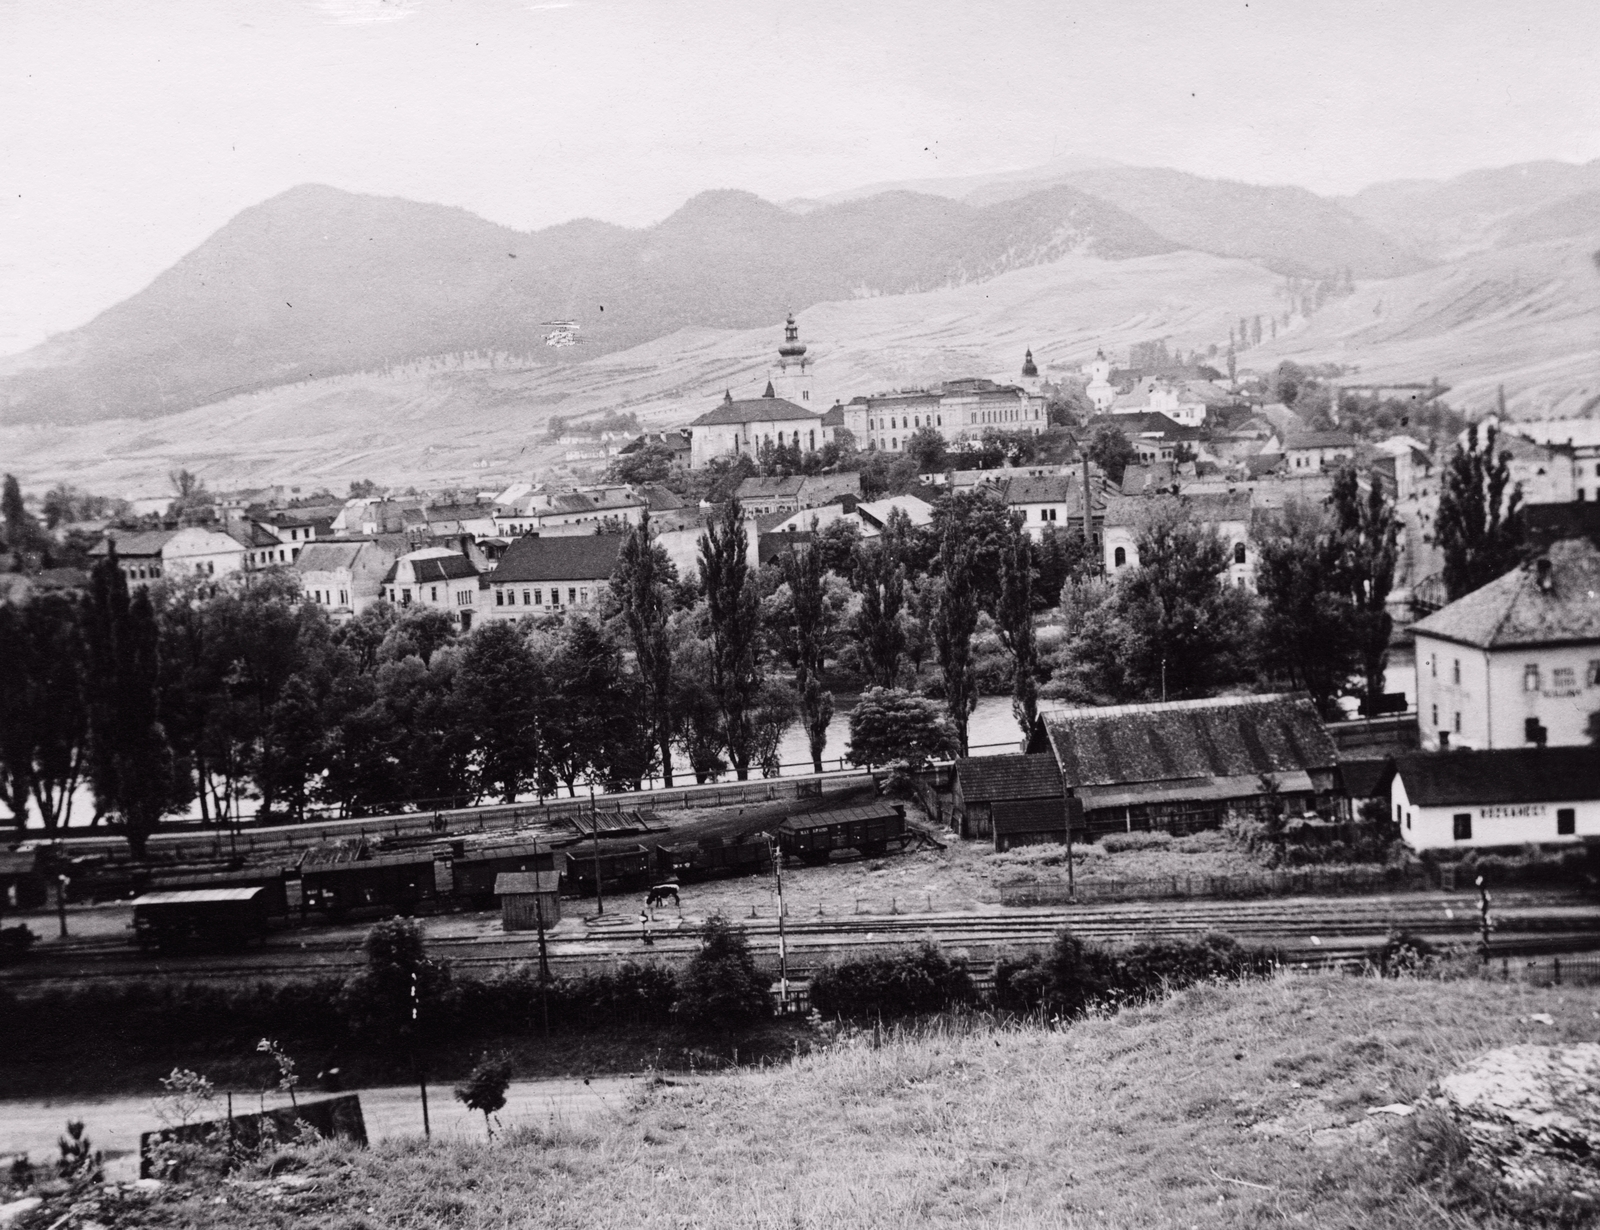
982, 782
1036, 822
23, 883
1512, 797
527, 897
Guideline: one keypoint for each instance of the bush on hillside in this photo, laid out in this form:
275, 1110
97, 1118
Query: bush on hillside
1122, 843
722, 985
922, 981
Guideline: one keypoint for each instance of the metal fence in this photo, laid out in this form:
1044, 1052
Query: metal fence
1574, 969
1311, 880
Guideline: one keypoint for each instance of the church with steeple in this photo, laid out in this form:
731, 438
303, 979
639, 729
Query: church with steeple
792, 375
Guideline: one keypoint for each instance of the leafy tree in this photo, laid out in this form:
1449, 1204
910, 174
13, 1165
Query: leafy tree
393, 998
735, 612
955, 620
926, 447
1369, 535
889, 725
192, 498
130, 762
1014, 620
642, 586
722, 986
1111, 450
880, 578
811, 633
21, 530
651, 462
1091, 665
1307, 630
775, 709
485, 1087
418, 630
980, 520
500, 692
693, 701
364, 489
1480, 525
1061, 555
600, 715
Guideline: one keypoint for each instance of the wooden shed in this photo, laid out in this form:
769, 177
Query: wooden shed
528, 896
23, 883
1035, 822
983, 781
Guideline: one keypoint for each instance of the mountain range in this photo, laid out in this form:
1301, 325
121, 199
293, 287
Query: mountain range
335, 309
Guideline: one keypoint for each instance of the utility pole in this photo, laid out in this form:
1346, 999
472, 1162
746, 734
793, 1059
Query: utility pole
544, 955
1484, 921
422, 1079
1072, 887
594, 824
61, 902
783, 944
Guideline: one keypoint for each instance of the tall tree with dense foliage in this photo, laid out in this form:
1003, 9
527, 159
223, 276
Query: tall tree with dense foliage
1480, 526
1188, 632
1308, 633
1109, 449
889, 725
808, 640
880, 578
1369, 535
1014, 621
500, 692
642, 586
19, 528
131, 765
735, 613
955, 620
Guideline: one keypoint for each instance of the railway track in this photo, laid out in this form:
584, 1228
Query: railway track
1311, 929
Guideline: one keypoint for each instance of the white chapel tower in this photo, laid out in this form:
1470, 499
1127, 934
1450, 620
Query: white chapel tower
791, 377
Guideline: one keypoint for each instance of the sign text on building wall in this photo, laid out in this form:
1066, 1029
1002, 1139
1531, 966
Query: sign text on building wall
1511, 813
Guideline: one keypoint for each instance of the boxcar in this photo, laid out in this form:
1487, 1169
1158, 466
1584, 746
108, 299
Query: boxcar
620, 866
812, 837
474, 867
200, 918
711, 857
271, 880
401, 882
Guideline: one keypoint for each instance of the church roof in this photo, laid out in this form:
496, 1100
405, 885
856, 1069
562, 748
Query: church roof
764, 409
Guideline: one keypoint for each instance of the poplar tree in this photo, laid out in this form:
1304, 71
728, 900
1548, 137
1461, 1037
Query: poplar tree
642, 586
955, 621
1479, 526
808, 649
1015, 623
1369, 534
735, 616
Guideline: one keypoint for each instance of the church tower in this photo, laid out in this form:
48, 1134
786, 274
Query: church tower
791, 377
1030, 373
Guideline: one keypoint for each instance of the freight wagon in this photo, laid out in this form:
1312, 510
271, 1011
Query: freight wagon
621, 867
338, 879
200, 918
474, 867
273, 881
711, 857
869, 830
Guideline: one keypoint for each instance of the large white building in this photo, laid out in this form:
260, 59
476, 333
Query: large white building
1516, 662
956, 409
745, 427
145, 556
437, 578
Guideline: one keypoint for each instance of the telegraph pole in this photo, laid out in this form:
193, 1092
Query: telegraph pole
783, 944
594, 824
422, 1079
544, 955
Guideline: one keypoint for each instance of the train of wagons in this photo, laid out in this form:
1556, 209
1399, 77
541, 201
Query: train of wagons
335, 879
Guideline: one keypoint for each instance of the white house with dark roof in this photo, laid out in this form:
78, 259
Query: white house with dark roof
744, 427
1227, 512
1052, 501
437, 578
1510, 797
955, 409
194, 551
1312, 450
761, 496
544, 576
344, 578
1516, 662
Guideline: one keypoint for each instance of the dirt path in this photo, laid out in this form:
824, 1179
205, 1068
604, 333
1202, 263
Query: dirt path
114, 1124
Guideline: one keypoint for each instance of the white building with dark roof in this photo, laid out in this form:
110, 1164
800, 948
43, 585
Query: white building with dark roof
956, 409
544, 576
437, 578
1516, 662
344, 578
194, 551
1513, 797
744, 427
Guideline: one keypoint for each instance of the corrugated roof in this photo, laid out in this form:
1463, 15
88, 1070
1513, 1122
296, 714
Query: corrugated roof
986, 778
198, 896
1225, 737
841, 815
583, 557
1514, 775
1514, 610
754, 410
1030, 816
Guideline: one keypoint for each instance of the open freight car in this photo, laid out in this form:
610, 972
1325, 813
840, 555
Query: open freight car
200, 918
869, 829
620, 867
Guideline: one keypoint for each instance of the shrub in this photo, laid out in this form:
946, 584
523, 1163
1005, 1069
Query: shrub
485, 1088
15, 942
922, 981
722, 985
1405, 953
400, 985
1122, 843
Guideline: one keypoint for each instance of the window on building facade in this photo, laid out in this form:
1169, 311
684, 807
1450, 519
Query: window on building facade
1238, 552
499, 598
1461, 825
1433, 666
583, 597
538, 597
572, 596
433, 593
1530, 678
1566, 822
344, 597
1455, 670
1458, 722
1594, 673
1434, 714
405, 597
1119, 557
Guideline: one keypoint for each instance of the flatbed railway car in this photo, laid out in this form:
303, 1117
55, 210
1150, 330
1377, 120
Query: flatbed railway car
869, 829
711, 857
200, 918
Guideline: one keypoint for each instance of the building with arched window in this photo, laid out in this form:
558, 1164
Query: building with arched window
744, 427
1227, 513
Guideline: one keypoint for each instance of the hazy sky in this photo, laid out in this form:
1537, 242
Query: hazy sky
132, 129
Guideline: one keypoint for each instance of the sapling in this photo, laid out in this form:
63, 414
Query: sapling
287, 1077
485, 1088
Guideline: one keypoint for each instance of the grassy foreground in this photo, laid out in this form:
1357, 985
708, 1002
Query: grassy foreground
1238, 1105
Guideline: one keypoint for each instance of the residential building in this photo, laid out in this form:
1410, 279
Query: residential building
1581, 437
262, 546
745, 427
1508, 797
194, 551
1173, 398
675, 442
543, 576
1229, 513
1055, 501
1518, 661
1191, 764
436, 578
1155, 436
760, 496
1547, 473
1312, 450
551, 513
344, 577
